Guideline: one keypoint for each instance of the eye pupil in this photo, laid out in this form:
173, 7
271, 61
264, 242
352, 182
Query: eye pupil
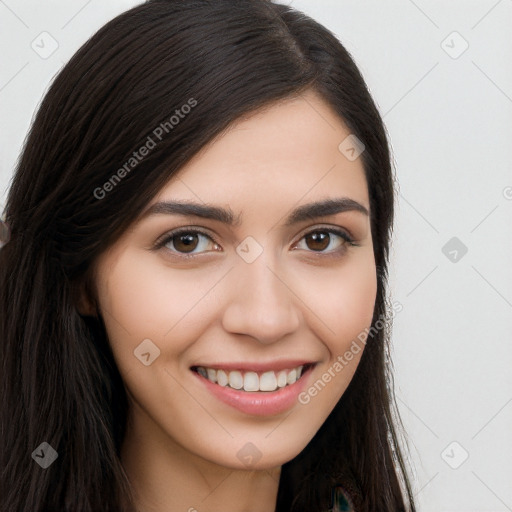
187, 241
318, 237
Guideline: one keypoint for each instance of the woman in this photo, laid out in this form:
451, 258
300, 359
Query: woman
193, 294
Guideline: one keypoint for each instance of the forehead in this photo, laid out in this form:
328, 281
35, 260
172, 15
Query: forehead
286, 153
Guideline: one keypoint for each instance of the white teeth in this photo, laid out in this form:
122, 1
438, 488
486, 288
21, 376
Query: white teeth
236, 380
268, 381
222, 378
281, 379
251, 381
212, 374
292, 377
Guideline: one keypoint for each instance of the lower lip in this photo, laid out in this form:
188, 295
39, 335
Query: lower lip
259, 403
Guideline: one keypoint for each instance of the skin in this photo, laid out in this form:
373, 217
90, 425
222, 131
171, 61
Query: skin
181, 446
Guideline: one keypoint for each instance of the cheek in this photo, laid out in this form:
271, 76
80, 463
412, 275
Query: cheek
132, 298
346, 312
354, 318
357, 300
343, 301
140, 300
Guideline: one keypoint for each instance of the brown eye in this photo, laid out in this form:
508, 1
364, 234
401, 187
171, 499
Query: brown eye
186, 241
320, 240
191, 242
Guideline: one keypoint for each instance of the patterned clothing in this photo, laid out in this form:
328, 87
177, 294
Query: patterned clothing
341, 501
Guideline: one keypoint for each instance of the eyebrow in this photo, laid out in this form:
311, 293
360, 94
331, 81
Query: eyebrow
305, 212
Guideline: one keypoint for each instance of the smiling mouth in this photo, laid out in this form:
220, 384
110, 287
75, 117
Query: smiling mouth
253, 381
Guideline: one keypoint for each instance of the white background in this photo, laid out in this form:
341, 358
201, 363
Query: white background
449, 120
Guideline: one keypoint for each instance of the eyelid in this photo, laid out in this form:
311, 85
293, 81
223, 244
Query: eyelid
330, 228
333, 229
166, 237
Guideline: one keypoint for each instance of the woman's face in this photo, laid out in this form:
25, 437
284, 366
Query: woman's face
249, 301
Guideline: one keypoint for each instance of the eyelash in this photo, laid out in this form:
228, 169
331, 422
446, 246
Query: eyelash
194, 231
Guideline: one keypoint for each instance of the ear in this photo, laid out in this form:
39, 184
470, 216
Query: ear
85, 303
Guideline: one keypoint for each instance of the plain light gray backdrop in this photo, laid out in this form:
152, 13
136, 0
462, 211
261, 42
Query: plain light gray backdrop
440, 73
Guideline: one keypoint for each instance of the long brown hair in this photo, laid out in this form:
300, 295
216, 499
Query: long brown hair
59, 381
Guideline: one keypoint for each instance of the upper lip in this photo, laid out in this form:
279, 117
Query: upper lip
257, 366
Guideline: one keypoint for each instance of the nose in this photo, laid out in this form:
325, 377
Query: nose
262, 303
